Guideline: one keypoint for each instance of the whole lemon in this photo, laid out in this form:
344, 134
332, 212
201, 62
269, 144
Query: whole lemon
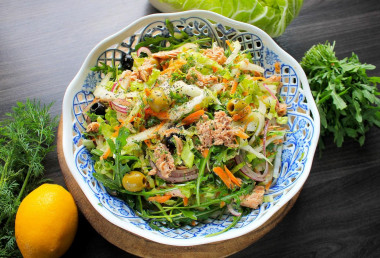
46, 222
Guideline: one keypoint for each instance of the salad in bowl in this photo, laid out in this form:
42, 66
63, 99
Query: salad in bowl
189, 128
186, 133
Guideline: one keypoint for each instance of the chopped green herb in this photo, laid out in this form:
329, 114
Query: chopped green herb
346, 96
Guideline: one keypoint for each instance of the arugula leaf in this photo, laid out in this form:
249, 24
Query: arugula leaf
160, 43
104, 68
170, 27
346, 97
119, 169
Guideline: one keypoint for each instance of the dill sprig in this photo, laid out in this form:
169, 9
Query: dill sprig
26, 137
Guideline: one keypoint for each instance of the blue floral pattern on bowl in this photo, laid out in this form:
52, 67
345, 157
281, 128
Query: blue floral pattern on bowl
295, 150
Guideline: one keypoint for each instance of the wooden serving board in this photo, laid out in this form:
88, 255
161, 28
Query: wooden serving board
140, 246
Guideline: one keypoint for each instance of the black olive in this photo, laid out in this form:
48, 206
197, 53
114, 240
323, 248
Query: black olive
98, 108
169, 141
126, 62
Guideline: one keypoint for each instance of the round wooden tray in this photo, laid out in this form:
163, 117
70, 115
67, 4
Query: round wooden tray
140, 246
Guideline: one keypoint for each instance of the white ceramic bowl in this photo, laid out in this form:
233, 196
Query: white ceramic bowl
298, 149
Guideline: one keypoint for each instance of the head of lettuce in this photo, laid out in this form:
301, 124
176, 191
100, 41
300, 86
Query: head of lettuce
272, 16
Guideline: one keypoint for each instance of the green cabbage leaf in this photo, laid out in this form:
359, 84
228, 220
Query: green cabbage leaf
272, 16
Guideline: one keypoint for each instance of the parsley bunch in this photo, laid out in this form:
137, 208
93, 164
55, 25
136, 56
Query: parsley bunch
346, 96
26, 137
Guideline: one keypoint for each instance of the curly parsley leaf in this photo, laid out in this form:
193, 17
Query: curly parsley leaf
346, 96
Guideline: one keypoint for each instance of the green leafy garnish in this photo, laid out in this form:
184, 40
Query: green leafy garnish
152, 121
175, 40
26, 137
346, 96
178, 98
104, 68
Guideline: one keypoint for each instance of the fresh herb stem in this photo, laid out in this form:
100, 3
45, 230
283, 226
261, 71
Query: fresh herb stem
201, 172
226, 198
159, 206
24, 185
234, 222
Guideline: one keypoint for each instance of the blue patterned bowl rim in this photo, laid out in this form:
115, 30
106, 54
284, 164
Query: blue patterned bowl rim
297, 155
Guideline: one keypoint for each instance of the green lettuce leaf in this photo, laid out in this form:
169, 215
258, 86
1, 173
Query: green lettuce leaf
272, 16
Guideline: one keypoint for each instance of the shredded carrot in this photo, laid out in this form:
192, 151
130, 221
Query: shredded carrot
158, 127
197, 107
222, 204
258, 78
116, 133
225, 84
245, 93
148, 143
132, 119
177, 64
229, 45
277, 67
164, 65
144, 100
205, 153
223, 175
106, 154
163, 115
147, 92
214, 69
185, 201
268, 185
242, 135
193, 117
234, 87
245, 111
159, 198
236, 181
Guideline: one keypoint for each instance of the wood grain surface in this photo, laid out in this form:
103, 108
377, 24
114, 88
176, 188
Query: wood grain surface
43, 44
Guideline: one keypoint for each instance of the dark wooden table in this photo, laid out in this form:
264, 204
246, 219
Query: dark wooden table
43, 44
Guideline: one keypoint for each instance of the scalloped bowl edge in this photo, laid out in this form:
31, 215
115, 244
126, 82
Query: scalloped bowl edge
118, 37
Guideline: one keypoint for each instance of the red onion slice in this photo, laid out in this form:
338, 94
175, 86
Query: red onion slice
271, 93
178, 178
232, 210
114, 87
114, 105
264, 148
184, 172
118, 108
248, 171
144, 50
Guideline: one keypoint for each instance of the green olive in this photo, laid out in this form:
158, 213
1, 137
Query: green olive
158, 101
134, 181
234, 106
